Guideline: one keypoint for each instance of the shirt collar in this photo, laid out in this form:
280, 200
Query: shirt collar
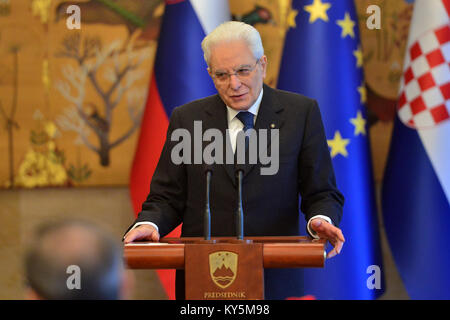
253, 109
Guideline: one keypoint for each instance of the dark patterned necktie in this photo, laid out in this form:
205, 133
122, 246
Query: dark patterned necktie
247, 120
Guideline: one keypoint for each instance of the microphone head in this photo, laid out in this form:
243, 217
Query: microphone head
208, 168
239, 168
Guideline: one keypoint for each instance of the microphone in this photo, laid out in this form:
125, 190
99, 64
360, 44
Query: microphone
207, 214
239, 172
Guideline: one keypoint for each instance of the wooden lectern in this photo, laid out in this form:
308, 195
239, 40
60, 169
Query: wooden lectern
226, 268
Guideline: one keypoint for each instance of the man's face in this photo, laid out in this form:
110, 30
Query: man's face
238, 91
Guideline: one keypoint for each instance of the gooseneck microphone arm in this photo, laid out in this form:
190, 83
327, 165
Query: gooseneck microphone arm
207, 213
239, 171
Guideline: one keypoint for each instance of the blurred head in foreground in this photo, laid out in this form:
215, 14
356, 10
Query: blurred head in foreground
73, 259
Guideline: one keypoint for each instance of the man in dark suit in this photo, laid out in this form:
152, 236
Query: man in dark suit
237, 65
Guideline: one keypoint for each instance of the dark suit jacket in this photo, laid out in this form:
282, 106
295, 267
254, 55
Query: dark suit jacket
270, 202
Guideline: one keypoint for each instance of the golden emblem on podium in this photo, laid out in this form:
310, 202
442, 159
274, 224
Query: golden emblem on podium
223, 268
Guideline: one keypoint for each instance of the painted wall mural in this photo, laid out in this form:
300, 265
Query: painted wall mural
71, 100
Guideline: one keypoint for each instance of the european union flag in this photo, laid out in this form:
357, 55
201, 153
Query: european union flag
322, 59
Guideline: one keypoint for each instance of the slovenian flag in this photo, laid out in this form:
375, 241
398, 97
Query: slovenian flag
416, 187
322, 59
179, 76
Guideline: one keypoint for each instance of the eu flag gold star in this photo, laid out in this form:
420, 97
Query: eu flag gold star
362, 91
359, 57
360, 124
291, 18
317, 10
338, 145
347, 26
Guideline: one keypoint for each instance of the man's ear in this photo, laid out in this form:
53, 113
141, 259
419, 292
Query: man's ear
264, 65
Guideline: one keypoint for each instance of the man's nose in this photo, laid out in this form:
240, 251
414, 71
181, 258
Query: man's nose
235, 82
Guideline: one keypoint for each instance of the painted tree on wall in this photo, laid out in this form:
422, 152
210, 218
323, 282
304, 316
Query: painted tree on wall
120, 70
9, 116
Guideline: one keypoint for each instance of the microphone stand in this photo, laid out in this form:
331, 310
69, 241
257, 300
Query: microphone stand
207, 213
240, 211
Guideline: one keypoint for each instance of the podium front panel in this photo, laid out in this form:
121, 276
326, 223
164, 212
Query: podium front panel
224, 271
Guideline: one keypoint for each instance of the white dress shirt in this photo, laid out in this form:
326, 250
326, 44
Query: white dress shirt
234, 126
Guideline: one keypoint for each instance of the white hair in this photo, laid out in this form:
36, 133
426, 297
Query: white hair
233, 31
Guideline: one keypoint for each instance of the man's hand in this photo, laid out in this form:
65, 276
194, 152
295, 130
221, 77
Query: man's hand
327, 231
142, 232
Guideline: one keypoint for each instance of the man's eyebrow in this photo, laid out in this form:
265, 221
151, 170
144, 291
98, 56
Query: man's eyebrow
244, 66
236, 68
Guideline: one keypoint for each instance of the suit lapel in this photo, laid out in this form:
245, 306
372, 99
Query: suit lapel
268, 118
217, 118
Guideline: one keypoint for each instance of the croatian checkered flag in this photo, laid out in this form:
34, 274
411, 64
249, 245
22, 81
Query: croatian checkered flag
424, 102
416, 186
425, 86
